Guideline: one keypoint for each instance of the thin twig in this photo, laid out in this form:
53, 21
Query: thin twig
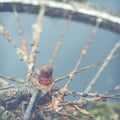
84, 51
88, 67
24, 46
59, 43
90, 85
35, 42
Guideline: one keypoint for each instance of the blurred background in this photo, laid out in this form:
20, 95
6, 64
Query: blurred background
69, 52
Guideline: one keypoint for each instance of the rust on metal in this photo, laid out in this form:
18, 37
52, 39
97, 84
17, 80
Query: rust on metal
45, 79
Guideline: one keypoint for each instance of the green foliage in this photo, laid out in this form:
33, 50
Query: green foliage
105, 110
58, 118
101, 110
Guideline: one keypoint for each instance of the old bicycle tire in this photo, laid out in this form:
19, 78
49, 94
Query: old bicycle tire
81, 11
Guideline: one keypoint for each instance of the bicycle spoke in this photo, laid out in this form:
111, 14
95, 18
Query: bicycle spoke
35, 42
87, 68
18, 80
22, 38
59, 43
10, 39
95, 78
84, 51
